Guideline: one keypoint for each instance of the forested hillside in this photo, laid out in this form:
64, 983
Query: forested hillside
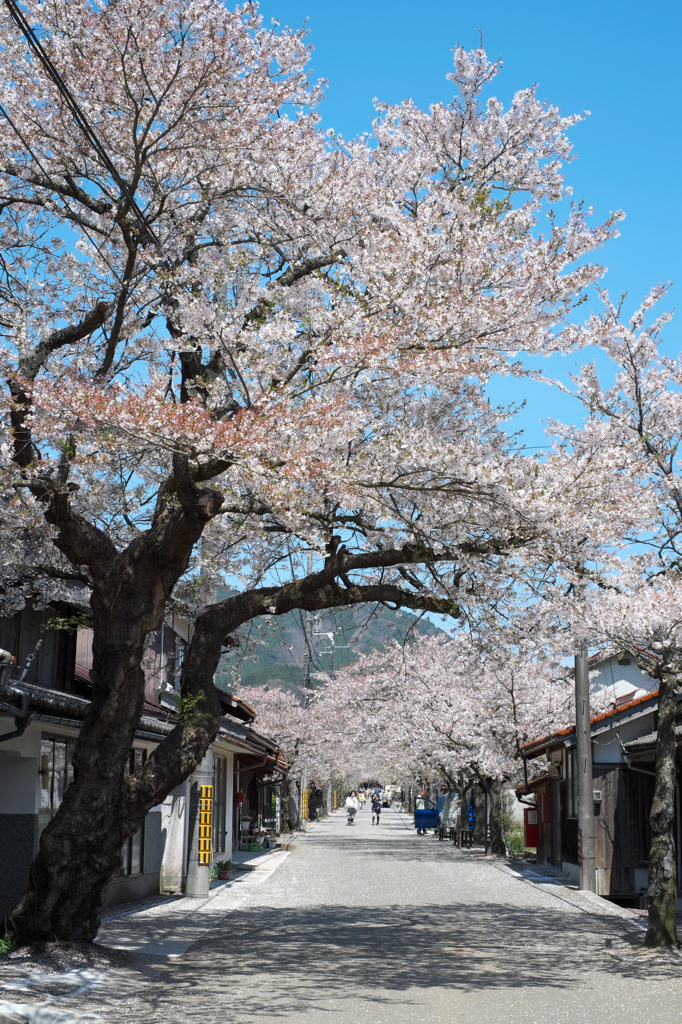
274, 649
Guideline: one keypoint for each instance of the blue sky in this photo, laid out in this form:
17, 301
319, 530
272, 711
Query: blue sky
622, 61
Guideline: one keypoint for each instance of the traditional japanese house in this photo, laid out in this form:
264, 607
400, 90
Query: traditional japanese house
43, 701
622, 772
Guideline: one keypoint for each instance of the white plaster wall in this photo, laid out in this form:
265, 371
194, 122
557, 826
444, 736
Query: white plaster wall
617, 679
516, 809
20, 786
606, 745
19, 783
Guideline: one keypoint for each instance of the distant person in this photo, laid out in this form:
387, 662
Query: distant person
421, 803
376, 808
362, 797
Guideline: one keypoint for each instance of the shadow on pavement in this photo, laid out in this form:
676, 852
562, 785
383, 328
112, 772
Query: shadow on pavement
281, 962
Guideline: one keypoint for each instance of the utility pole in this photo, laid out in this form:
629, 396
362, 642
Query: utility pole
487, 823
308, 639
583, 732
201, 827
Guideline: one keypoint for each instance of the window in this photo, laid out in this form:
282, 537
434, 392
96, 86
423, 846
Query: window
56, 772
132, 851
571, 785
219, 802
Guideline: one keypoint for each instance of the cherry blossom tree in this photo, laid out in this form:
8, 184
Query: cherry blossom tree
231, 339
447, 710
633, 432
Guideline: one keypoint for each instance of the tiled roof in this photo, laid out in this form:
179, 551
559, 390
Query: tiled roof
617, 710
648, 740
155, 723
542, 780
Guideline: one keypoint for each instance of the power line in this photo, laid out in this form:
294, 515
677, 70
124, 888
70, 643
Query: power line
79, 117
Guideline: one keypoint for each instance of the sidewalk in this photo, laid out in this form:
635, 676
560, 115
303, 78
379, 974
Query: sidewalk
171, 925
149, 933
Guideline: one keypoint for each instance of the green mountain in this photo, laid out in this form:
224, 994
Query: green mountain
273, 649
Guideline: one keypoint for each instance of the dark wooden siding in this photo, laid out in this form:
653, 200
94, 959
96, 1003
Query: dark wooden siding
622, 826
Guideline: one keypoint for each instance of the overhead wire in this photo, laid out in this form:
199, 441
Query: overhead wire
78, 115
96, 245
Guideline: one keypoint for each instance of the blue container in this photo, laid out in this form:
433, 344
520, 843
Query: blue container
429, 818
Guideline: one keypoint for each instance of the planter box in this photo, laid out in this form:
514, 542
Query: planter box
254, 848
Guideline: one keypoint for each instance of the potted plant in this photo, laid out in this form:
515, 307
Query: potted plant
224, 869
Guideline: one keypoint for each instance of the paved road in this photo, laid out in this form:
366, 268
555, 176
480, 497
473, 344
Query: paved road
376, 925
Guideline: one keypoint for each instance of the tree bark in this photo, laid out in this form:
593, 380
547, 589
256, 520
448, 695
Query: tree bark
80, 849
497, 846
662, 890
290, 801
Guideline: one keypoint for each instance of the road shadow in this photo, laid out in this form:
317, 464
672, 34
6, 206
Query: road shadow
397, 844
286, 962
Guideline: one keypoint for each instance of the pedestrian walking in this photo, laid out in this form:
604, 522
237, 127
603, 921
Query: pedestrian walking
376, 808
421, 804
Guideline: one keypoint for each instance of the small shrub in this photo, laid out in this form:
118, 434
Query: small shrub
8, 942
515, 841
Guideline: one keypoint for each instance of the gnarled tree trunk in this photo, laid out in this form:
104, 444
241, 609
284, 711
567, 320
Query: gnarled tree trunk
80, 849
662, 890
494, 841
496, 828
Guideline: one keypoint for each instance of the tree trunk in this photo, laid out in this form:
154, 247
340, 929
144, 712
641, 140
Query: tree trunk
290, 801
80, 849
662, 891
496, 830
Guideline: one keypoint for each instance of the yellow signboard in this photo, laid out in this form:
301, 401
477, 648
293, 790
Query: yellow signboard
206, 825
304, 803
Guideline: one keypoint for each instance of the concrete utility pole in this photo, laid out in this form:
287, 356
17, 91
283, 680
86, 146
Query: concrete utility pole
198, 875
308, 628
583, 732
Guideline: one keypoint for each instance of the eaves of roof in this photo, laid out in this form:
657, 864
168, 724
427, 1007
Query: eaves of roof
556, 738
234, 706
534, 784
648, 740
247, 739
68, 709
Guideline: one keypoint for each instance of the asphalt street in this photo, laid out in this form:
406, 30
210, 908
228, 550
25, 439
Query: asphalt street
376, 925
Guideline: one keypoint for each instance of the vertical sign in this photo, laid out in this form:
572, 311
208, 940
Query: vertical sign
206, 825
304, 803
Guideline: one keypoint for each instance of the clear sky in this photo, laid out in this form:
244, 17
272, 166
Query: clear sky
620, 60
